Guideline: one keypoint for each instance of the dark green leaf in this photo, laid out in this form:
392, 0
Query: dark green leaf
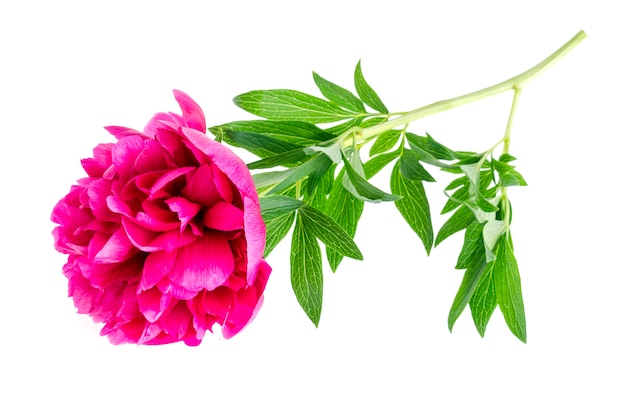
278, 205
473, 245
509, 289
377, 163
262, 145
301, 134
413, 205
338, 95
385, 141
366, 92
317, 198
290, 105
456, 199
345, 210
459, 220
286, 159
298, 173
412, 169
507, 158
306, 271
458, 182
329, 232
315, 176
276, 230
468, 286
483, 301
361, 188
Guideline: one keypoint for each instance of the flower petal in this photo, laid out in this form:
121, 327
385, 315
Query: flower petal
191, 111
204, 264
223, 216
156, 267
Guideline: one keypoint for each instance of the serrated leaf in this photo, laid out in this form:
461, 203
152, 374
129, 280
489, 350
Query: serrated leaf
301, 134
290, 105
413, 205
459, 220
329, 232
385, 142
483, 302
278, 205
509, 289
338, 95
473, 245
276, 230
475, 270
377, 163
361, 188
345, 210
307, 279
366, 93
411, 168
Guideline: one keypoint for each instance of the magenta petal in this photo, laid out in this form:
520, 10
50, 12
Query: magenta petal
160, 190
125, 152
116, 249
223, 216
191, 111
155, 268
204, 264
176, 322
152, 304
200, 187
226, 160
185, 209
255, 236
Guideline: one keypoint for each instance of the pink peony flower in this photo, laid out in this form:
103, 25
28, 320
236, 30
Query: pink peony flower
165, 236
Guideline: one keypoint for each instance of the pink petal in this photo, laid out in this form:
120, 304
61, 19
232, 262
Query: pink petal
116, 249
156, 267
223, 184
167, 186
125, 153
204, 264
120, 132
200, 187
185, 209
226, 160
152, 304
223, 216
191, 111
176, 322
254, 228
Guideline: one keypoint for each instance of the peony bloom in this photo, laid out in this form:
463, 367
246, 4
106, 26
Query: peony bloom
165, 236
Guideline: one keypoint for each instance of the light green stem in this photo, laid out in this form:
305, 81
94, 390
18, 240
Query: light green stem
516, 82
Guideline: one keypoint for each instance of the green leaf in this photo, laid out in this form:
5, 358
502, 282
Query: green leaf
509, 289
278, 205
301, 134
298, 173
377, 163
329, 232
276, 230
307, 279
458, 182
483, 301
492, 231
468, 286
339, 129
338, 95
317, 197
345, 210
262, 145
413, 205
385, 142
411, 168
366, 92
511, 178
507, 158
361, 188
459, 220
290, 105
286, 159
473, 245
432, 147
264, 180
316, 175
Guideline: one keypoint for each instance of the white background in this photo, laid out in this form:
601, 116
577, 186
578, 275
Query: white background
69, 68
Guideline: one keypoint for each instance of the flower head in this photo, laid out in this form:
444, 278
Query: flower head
164, 236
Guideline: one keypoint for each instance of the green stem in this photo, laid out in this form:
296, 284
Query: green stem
515, 82
509, 124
